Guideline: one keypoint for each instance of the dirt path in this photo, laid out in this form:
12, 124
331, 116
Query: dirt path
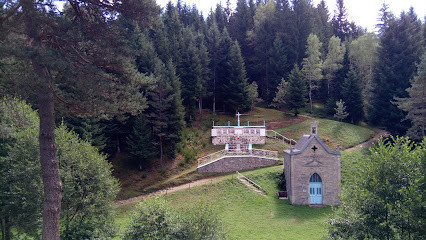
370, 141
167, 190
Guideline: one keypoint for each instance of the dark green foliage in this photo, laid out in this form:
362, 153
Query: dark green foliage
353, 97
189, 71
155, 219
384, 198
401, 46
88, 129
296, 95
140, 143
165, 111
236, 86
415, 104
282, 182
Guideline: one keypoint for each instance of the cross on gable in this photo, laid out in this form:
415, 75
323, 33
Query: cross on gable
314, 148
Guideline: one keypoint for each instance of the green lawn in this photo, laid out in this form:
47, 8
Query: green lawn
246, 214
331, 132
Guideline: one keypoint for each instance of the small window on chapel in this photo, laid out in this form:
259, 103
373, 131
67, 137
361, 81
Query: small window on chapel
314, 130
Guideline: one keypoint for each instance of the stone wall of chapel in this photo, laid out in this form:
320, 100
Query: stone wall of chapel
307, 163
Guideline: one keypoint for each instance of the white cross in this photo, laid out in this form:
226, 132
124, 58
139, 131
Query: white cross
238, 116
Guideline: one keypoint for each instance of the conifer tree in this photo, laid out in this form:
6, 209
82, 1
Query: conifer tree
89, 129
415, 104
312, 64
236, 86
213, 43
340, 110
223, 68
165, 111
280, 98
253, 94
140, 143
340, 23
401, 47
189, 71
353, 97
303, 22
296, 95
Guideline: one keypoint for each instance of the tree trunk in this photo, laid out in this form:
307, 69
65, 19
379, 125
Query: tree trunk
200, 106
161, 151
49, 164
310, 94
214, 91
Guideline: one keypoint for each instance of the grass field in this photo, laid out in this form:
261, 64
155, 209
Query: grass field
331, 132
246, 214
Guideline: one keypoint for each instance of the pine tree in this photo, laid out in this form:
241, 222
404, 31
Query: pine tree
140, 141
189, 71
304, 23
296, 94
340, 110
213, 42
89, 129
340, 23
353, 97
165, 111
280, 98
236, 85
253, 94
312, 64
401, 47
415, 104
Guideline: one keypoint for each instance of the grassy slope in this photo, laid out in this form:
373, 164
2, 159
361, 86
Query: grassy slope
331, 132
248, 215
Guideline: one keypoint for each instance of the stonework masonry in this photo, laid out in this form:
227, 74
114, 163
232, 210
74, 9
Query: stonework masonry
232, 164
309, 156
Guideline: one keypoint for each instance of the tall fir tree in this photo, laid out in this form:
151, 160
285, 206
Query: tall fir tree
353, 97
296, 94
140, 143
213, 42
236, 85
165, 111
340, 23
189, 71
312, 65
401, 46
415, 104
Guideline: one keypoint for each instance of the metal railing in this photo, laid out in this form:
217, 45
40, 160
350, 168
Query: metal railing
231, 152
278, 135
211, 157
250, 181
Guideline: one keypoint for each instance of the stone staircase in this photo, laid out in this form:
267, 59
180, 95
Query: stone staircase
250, 184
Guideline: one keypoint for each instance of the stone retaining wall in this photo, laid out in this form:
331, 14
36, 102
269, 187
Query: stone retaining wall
232, 164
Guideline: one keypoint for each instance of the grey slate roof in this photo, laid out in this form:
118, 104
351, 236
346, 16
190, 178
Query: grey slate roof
304, 142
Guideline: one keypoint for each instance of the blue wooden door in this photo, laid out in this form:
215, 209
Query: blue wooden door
315, 189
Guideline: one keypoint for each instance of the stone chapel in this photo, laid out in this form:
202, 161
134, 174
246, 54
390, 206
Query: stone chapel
312, 171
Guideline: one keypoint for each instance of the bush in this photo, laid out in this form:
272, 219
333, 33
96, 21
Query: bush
155, 219
281, 182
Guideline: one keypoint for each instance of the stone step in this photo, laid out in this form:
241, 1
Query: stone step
250, 186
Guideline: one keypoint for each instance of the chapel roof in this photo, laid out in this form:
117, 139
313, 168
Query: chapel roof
303, 143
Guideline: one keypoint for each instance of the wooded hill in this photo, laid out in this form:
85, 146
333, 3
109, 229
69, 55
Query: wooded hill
127, 72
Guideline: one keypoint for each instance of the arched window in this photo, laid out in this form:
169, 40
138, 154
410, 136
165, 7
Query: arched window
315, 178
